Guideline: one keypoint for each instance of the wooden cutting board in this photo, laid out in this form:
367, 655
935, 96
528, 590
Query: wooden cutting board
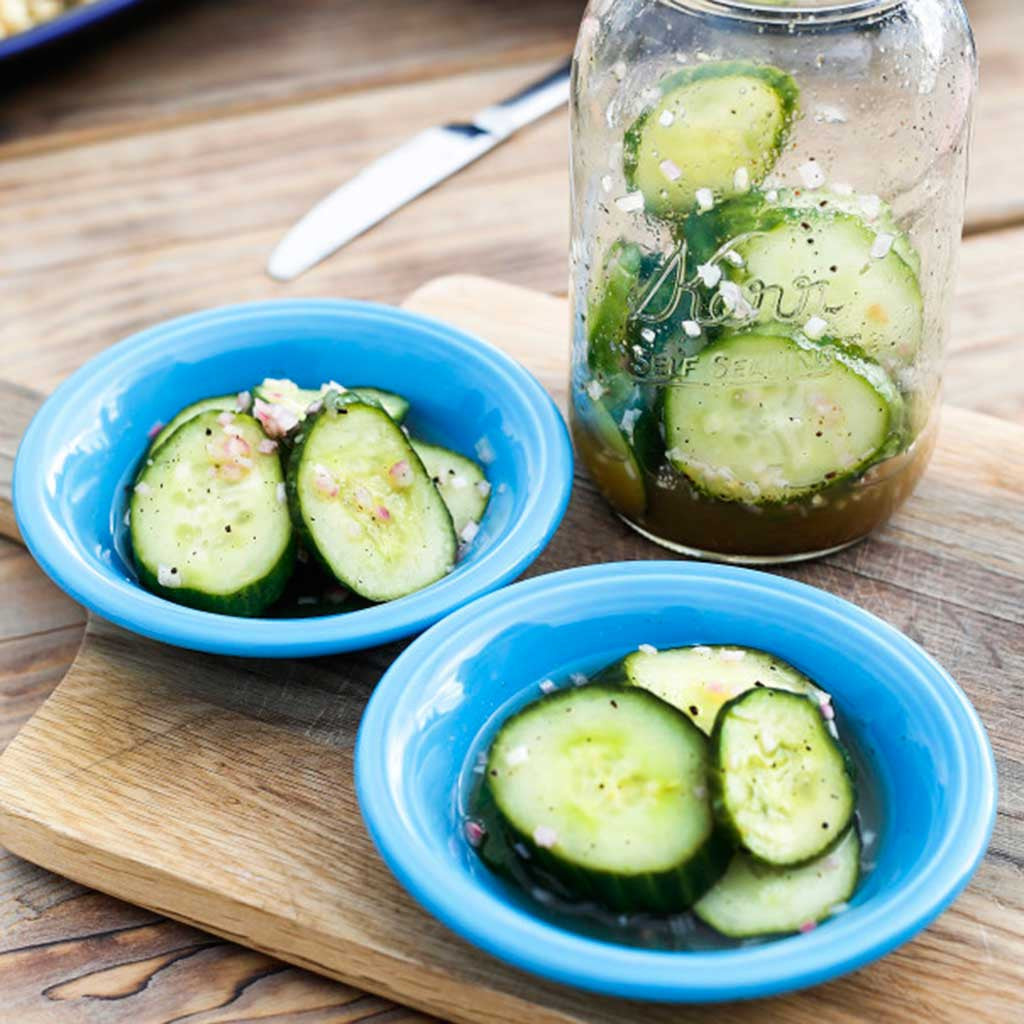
219, 791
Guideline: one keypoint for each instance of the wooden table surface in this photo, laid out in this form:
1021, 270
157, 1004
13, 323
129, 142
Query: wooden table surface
149, 174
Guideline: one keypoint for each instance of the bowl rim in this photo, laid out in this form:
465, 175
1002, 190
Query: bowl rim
126, 604
527, 942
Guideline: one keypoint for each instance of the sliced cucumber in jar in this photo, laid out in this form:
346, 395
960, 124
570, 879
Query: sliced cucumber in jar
209, 523
605, 788
754, 899
871, 209
781, 784
835, 272
364, 503
461, 483
700, 680
717, 130
610, 458
222, 403
613, 294
768, 417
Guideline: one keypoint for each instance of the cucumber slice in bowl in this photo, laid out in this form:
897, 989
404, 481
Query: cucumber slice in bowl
208, 521
700, 680
717, 128
753, 899
222, 403
365, 505
769, 417
605, 788
291, 404
461, 483
781, 784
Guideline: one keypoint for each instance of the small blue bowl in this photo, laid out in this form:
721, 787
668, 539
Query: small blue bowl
930, 764
80, 453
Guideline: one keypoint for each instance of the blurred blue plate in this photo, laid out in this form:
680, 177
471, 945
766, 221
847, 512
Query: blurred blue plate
67, 24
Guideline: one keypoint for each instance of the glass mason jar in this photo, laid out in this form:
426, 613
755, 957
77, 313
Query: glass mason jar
767, 202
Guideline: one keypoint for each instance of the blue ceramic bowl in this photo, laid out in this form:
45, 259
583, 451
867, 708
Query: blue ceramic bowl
82, 448
930, 767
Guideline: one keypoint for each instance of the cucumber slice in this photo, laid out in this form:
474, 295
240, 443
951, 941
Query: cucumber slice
718, 127
605, 788
764, 417
394, 405
609, 457
781, 784
755, 899
871, 209
700, 680
835, 267
288, 395
209, 525
222, 403
610, 308
461, 483
364, 503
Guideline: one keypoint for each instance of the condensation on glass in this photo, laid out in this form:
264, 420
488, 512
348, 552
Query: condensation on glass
767, 202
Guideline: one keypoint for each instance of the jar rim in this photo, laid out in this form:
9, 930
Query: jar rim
798, 12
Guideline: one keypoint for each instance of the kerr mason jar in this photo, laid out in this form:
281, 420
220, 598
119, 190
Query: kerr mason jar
767, 202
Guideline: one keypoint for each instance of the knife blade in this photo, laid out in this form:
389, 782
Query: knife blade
413, 168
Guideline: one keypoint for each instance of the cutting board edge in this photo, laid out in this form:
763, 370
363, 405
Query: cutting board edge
41, 844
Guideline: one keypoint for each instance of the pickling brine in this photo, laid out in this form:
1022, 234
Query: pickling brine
767, 203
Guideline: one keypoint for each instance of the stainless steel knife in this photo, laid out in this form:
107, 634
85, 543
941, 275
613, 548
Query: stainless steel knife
407, 172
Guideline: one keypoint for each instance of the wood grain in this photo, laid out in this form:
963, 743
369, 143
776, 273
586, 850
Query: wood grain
294, 875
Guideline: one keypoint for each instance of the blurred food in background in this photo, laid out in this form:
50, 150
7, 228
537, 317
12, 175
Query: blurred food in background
20, 15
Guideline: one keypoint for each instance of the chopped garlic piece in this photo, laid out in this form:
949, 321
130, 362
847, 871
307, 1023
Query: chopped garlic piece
517, 755
666, 118
811, 174
741, 179
815, 328
670, 170
628, 422
871, 206
167, 576
647, 649
691, 328
882, 246
469, 532
545, 836
595, 389
632, 202
705, 199
709, 274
